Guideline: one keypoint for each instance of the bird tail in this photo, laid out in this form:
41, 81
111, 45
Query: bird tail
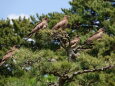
54, 28
29, 35
0, 60
1, 63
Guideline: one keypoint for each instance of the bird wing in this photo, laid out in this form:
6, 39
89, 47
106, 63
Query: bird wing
60, 24
41, 25
76, 40
73, 42
7, 56
95, 36
37, 27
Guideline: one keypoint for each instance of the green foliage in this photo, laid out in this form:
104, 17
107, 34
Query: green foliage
23, 81
43, 38
42, 61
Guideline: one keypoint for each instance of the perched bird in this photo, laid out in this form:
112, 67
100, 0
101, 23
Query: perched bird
95, 36
63, 23
39, 26
8, 54
74, 42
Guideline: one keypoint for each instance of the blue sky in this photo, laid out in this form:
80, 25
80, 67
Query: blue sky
14, 8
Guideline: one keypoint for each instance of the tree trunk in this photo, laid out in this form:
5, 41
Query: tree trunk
61, 82
71, 55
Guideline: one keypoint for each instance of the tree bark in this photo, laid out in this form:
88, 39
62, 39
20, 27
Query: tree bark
61, 81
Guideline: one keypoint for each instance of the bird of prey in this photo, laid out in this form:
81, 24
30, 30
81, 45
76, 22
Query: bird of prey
8, 54
75, 42
63, 23
41, 25
95, 36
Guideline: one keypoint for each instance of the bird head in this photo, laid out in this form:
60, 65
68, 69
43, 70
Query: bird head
76, 36
16, 46
66, 17
46, 19
101, 30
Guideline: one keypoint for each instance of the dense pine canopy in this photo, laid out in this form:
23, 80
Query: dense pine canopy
61, 57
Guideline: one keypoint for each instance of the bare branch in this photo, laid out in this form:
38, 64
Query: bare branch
68, 38
61, 43
68, 78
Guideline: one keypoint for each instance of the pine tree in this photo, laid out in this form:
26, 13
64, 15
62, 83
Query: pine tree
53, 59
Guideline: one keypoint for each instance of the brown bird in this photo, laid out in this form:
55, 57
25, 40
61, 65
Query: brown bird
39, 26
74, 42
95, 36
8, 54
63, 23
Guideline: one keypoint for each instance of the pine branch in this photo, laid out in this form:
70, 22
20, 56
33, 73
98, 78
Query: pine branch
54, 73
68, 78
92, 70
69, 41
